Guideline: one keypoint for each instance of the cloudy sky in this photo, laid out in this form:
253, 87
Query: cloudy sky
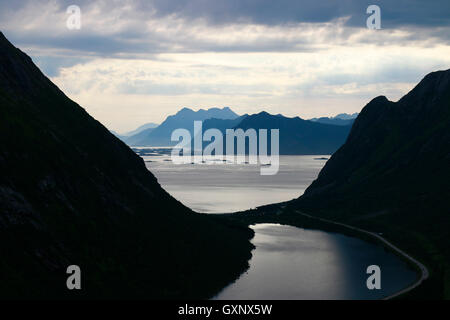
137, 61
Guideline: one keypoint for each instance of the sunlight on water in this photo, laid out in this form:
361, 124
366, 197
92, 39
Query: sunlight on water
225, 187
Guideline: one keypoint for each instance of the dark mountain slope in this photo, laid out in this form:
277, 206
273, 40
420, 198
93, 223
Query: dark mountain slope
222, 124
392, 174
298, 136
72, 193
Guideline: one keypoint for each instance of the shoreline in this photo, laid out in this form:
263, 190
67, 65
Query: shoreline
275, 214
424, 273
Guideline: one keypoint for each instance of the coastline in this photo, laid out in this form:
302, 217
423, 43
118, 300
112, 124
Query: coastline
274, 214
424, 273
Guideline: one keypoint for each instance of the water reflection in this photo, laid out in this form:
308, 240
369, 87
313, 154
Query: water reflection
294, 263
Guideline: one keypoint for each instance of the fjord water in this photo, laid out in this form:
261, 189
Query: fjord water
293, 263
288, 262
225, 187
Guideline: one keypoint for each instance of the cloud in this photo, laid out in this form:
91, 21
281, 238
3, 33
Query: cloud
291, 83
136, 58
136, 28
268, 12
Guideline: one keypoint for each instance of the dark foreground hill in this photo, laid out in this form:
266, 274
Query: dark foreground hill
392, 176
72, 193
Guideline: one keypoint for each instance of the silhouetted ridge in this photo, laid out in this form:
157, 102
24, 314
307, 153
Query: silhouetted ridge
72, 193
298, 136
161, 135
392, 174
433, 87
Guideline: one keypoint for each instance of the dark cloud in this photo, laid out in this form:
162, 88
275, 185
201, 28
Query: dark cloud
426, 21
394, 13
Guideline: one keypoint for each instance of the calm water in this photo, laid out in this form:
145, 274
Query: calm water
288, 262
220, 188
293, 263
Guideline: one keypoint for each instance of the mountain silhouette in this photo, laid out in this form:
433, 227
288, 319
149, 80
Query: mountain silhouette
298, 136
161, 135
71, 193
342, 119
392, 175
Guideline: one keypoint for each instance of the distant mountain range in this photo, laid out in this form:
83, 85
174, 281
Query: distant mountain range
297, 136
73, 194
147, 126
342, 119
160, 136
392, 176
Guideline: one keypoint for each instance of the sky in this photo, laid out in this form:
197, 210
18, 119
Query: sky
137, 61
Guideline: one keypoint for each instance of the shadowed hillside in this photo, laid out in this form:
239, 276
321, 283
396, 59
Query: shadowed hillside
72, 193
392, 176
